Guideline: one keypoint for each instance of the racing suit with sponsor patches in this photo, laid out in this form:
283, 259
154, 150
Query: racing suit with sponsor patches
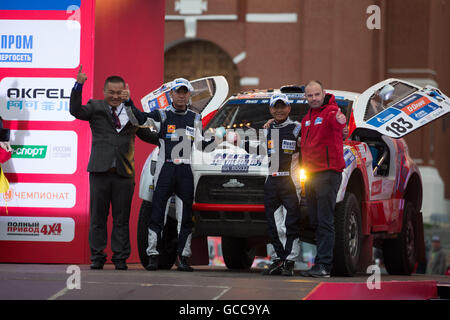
177, 132
173, 175
281, 202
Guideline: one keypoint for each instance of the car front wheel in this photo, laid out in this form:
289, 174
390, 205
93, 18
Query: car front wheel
348, 236
168, 252
236, 255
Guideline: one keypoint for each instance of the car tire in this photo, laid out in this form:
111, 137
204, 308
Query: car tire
348, 236
235, 253
169, 240
399, 254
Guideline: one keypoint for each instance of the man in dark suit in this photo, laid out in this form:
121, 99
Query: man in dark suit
111, 166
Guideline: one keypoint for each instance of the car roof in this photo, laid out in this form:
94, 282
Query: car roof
267, 93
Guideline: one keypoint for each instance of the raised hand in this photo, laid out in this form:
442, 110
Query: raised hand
340, 117
81, 77
125, 94
268, 123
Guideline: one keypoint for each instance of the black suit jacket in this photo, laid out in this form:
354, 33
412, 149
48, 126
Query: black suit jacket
108, 144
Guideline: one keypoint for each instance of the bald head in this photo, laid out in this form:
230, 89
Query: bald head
312, 82
314, 93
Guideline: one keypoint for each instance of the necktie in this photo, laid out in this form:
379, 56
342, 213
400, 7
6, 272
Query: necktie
115, 118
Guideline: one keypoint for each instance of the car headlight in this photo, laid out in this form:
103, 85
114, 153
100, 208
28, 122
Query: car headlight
302, 175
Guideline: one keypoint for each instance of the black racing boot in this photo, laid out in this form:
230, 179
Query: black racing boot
97, 265
274, 269
288, 268
183, 264
152, 263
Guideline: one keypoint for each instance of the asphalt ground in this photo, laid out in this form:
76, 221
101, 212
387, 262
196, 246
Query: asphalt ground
206, 283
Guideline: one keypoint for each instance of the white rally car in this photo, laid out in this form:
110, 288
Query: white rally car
379, 200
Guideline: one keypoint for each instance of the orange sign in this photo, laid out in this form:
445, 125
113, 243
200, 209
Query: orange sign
162, 101
416, 105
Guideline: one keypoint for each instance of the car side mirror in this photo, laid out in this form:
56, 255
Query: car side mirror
386, 92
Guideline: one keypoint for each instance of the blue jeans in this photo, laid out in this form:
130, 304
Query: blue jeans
321, 191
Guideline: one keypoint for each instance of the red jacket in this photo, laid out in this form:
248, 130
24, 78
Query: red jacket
321, 138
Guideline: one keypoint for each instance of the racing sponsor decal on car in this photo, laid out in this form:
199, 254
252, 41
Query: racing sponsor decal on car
377, 187
349, 157
417, 106
236, 162
357, 155
384, 117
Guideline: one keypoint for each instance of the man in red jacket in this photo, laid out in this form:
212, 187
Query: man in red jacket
322, 157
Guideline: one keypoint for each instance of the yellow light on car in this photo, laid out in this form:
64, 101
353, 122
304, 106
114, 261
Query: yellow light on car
303, 175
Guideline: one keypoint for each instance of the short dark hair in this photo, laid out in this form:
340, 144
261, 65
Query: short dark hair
114, 79
314, 81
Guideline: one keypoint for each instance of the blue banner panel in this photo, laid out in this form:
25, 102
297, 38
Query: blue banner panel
38, 4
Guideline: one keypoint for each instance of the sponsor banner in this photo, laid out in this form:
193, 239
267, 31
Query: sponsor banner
384, 117
40, 151
38, 99
39, 44
39, 195
37, 229
39, 5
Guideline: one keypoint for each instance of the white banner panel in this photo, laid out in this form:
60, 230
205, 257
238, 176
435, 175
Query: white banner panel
41, 151
39, 195
37, 229
39, 44
38, 99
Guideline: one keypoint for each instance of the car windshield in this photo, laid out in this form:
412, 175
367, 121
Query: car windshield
254, 113
375, 105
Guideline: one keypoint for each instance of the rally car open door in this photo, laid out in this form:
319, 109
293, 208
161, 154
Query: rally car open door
395, 107
209, 94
